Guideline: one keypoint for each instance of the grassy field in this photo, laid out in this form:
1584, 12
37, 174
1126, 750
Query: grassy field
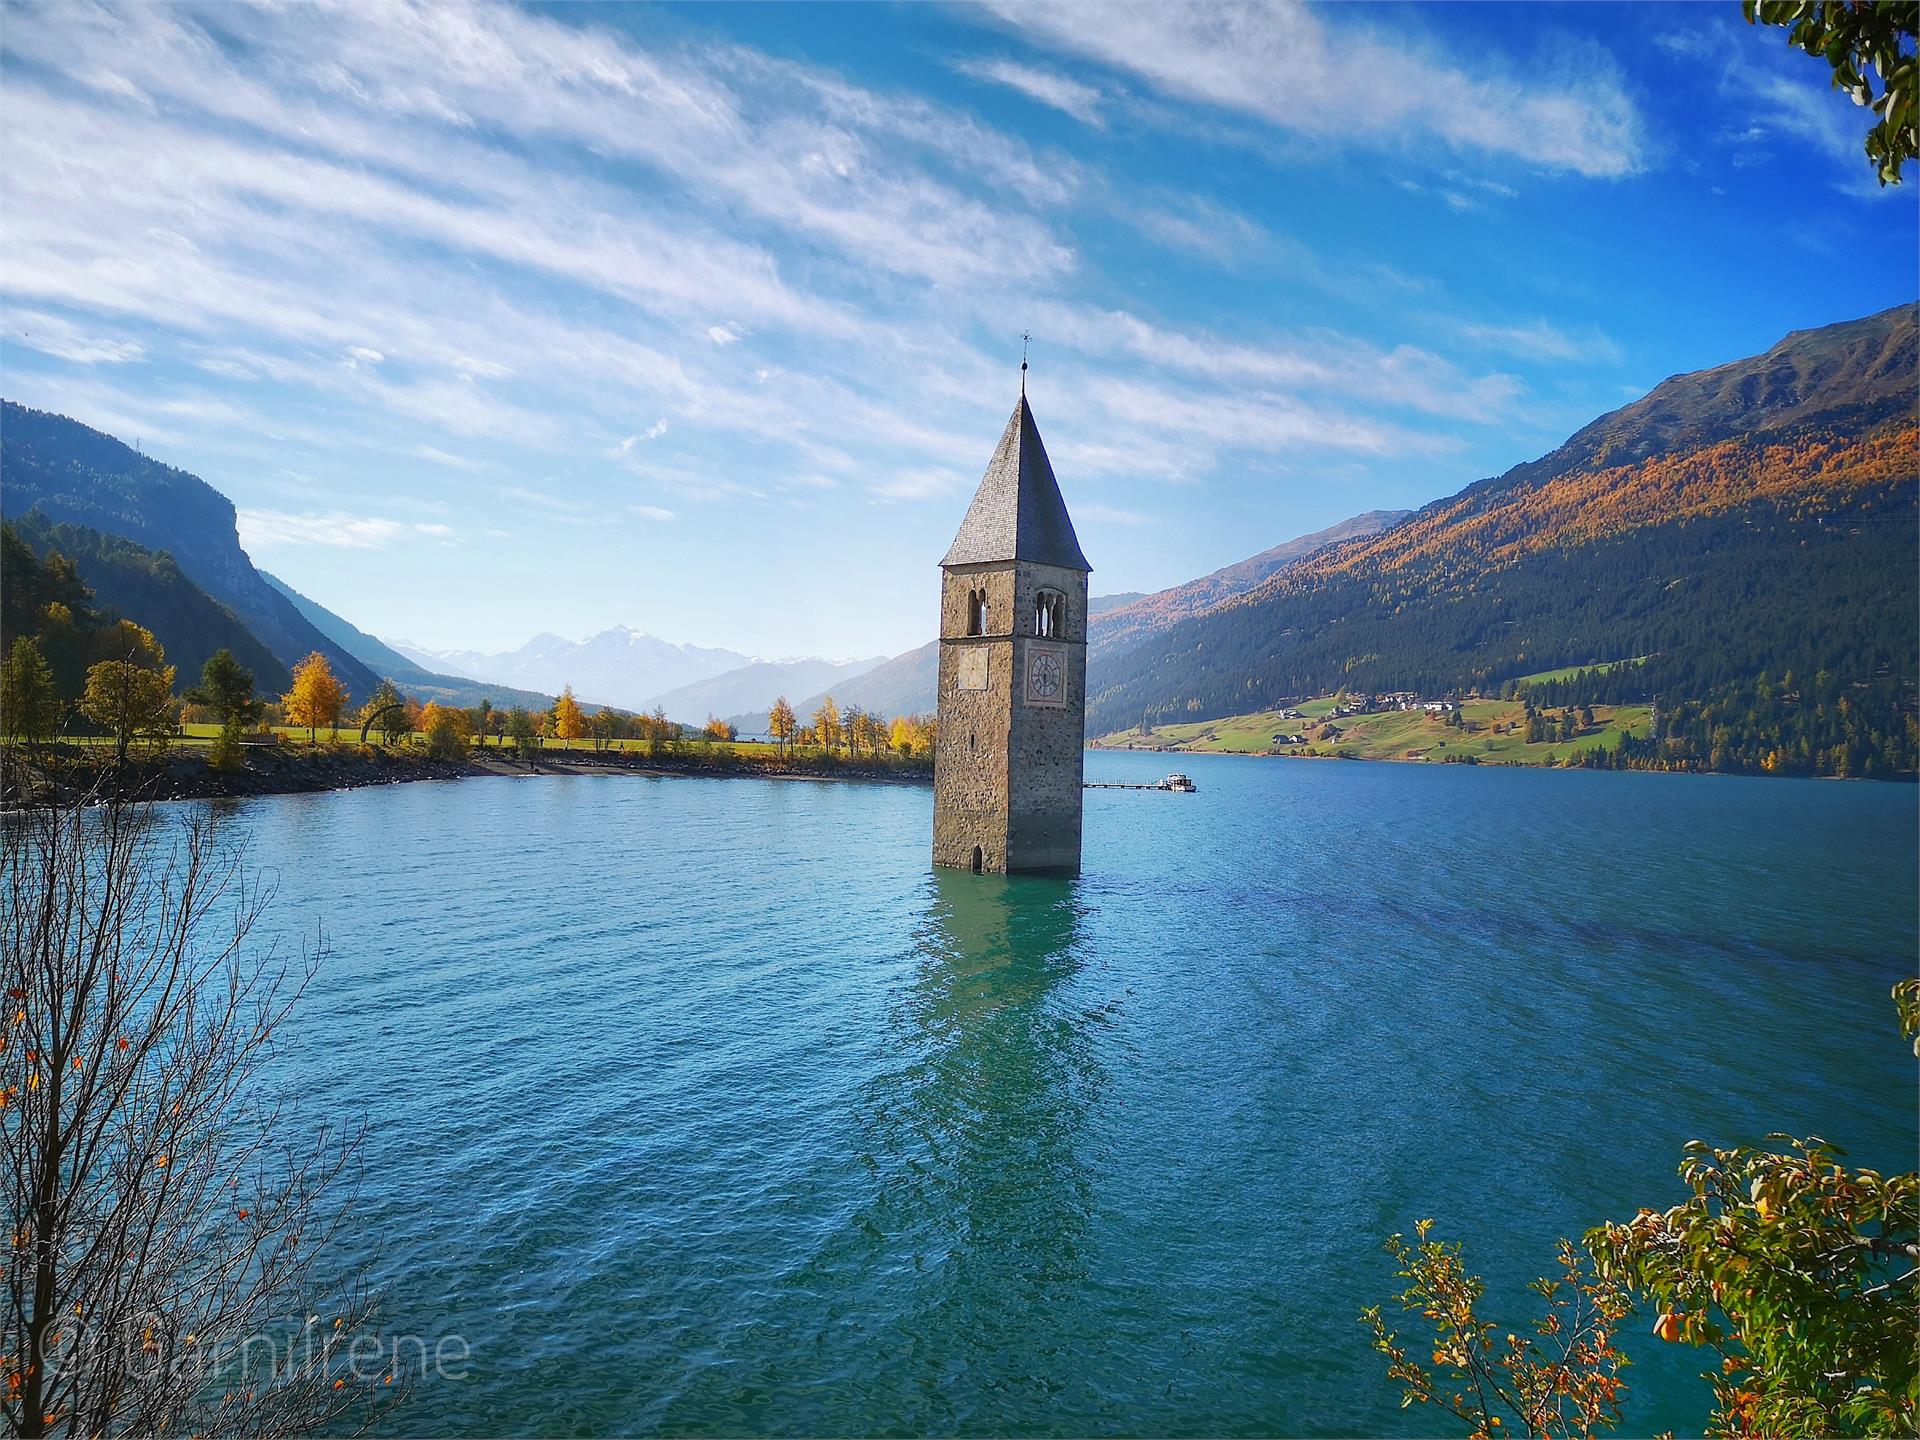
290, 735
1391, 735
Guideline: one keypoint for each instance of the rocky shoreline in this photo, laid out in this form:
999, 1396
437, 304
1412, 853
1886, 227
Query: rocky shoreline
69, 772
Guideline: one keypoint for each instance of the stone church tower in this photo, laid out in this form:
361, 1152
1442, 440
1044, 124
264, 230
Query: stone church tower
1013, 671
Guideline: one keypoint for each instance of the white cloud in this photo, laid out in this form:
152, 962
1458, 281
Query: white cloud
59, 337
442, 457
283, 530
1540, 340
1349, 81
625, 447
1405, 375
1048, 87
650, 512
344, 212
1200, 227
1777, 96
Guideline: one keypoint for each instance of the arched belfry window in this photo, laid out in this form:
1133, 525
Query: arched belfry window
1049, 614
976, 612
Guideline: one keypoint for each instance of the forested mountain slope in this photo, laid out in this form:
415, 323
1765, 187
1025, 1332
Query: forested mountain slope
1745, 522
145, 586
77, 475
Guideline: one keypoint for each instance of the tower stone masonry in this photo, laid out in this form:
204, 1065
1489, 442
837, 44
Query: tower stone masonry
1008, 757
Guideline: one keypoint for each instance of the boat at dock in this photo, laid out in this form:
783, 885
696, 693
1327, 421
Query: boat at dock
1176, 782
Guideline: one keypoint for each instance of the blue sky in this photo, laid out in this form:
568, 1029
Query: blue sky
498, 320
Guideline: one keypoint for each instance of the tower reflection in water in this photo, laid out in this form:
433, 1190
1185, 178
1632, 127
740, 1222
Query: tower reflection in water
981, 1147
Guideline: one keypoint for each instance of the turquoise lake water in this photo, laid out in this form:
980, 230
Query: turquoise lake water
705, 1107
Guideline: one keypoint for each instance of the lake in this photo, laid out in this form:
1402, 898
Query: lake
704, 1107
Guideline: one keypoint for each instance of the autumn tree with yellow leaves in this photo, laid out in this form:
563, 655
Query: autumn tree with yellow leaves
569, 722
132, 694
317, 697
782, 724
911, 735
446, 729
826, 725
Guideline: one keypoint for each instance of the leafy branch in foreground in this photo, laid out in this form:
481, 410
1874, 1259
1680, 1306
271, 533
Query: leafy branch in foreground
1851, 38
1796, 1271
1566, 1382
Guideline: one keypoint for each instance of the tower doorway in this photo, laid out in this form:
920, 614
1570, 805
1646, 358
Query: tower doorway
979, 859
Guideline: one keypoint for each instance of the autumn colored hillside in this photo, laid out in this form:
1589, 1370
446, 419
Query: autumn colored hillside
1125, 626
1757, 520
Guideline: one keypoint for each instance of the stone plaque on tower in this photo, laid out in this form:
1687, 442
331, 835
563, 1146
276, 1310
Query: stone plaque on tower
1008, 755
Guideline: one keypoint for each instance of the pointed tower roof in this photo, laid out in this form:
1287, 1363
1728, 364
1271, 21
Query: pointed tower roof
1017, 513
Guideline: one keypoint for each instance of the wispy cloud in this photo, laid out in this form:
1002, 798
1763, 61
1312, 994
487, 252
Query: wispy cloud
633, 267
1405, 375
441, 457
264, 530
652, 432
1778, 99
1540, 340
1200, 227
1347, 81
61, 338
1048, 87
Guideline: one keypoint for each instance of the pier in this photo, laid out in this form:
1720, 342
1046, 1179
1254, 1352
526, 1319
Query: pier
1175, 782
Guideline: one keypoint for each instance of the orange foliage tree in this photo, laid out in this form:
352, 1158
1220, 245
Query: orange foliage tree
569, 723
317, 697
1565, 1382
782, 724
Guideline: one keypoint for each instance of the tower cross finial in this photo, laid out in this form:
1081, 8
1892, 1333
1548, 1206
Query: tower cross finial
1025, 336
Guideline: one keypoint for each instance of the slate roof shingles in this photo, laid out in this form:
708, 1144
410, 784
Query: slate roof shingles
1017, 513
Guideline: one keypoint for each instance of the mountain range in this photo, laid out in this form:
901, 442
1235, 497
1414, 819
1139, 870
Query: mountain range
422, 684
1744, 536
906, 684
1113, 630
1749, 530
76, 475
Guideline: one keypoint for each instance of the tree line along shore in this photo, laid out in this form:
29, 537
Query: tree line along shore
82, 692
128, 730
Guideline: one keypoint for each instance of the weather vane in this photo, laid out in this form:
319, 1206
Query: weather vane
1025, 336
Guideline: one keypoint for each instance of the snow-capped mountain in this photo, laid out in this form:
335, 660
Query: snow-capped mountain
621, 666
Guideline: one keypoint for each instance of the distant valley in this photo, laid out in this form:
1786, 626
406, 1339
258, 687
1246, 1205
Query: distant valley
619, 666
907, 683
1748, 530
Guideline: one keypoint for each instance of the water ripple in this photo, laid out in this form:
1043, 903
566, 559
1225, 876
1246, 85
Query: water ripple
702, 1107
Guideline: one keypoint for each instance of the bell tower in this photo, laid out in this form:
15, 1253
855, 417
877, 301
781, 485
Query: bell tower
1008, 755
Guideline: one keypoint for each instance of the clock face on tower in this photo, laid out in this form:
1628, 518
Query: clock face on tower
1046, 677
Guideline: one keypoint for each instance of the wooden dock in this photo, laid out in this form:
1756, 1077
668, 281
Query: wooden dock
1180, 784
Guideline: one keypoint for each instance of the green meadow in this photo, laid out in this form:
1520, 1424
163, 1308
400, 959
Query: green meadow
1484, 736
